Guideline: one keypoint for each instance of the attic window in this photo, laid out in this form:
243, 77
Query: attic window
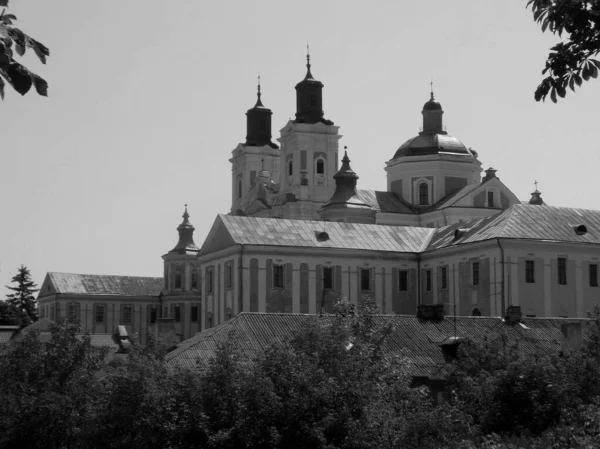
580, 229
460, 232
322, 236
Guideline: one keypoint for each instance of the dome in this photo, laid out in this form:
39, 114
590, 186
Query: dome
426, 143
432, 105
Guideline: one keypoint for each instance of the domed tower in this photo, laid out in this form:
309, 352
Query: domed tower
345, 204
433, 164
309, 153
256, 153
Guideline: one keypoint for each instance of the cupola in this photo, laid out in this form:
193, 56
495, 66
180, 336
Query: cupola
186, 244
258, 124
309, 99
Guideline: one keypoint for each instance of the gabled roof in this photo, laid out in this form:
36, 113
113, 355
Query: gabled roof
452, 198
252, 333
526, 222
97, 284
386, 202
308, 234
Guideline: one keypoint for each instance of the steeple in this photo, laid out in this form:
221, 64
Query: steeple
258, 123
345, 204
309, 98
432, 116
186, 236
536, 197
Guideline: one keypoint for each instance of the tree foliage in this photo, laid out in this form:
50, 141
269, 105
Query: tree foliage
23, 298
572, 60
12, 40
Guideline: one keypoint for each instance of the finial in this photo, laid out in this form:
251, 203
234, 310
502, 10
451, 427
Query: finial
258, 92
308, 55
345, 159
431, 89
185, 214
535, 183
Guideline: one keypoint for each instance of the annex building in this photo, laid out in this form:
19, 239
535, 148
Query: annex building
300, 234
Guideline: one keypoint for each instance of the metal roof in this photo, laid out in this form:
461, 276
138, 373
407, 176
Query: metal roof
386, 202
97, 284
526, 222
304, 233
419, 340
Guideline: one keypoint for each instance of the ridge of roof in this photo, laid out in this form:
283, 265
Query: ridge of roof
98, 284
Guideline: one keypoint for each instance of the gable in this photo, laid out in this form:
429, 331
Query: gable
217, 239
47, 287
477, 197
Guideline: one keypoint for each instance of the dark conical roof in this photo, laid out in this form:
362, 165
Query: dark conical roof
432, 105
186, 236
258, 123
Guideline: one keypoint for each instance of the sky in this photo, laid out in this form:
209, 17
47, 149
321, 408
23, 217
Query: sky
147, 100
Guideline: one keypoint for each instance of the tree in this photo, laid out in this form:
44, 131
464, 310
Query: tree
571, 61
11, 315
23, 298
16, 74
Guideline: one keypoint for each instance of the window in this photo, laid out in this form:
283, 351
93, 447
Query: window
593, 275
490, 196
365, 279
475, 273
194, 279
99, 314
320, 167
209, 281
72, 312
177, 313
228, 275
428, 280
444, 276
153, 315
239, 188
328, 278
194, 314
403, 280
423, 194
278, 279
562, 271
529, 271
290, 168
127, 314
178, 279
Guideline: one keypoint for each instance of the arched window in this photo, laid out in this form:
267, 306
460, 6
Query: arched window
290, 168
178, 279
476, 312
423, 194
240, 188
320, 167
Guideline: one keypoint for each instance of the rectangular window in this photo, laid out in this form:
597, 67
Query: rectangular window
562, 271
365, 279
490, 196
99, 314
194, 279
328, 278
593, 275
529, 271
127, 314
177, 313
444, 276
475, 273
153, 315
278, 277
194, 314
209, 281
403, 280
228, 275
428, 280
72, 312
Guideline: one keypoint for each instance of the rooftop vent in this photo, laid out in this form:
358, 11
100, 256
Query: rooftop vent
580, 229
322, 236
460, 232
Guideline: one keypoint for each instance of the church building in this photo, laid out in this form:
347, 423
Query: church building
301, 234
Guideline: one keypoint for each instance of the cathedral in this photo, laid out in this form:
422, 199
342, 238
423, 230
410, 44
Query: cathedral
301, 234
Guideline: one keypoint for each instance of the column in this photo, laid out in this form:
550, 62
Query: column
312, 288
547, 287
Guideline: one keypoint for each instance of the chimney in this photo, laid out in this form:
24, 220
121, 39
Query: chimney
571, 336
430, 312
513, 315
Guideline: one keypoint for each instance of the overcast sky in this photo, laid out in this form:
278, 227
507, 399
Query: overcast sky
148, 99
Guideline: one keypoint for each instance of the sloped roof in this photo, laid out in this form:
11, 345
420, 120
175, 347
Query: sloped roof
303, 233
527, 222
452, 198
420, 340
386, 202
97, 284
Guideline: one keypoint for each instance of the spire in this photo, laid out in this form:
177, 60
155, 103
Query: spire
309, 98
186, 236
258, 123
308, 74
536, 197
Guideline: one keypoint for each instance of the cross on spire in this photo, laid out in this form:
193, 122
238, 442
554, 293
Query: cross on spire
431, 88
535, 183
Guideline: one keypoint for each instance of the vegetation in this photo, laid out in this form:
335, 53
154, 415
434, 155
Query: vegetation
330, 386
571, 61
16, 74
22, 303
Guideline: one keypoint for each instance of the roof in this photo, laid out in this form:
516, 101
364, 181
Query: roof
386, 202
308, 234
420, 340
525, 222
432, 143
97, 284
452, 198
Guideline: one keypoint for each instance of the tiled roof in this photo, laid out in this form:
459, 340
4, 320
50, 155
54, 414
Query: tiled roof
96, 284
303, 233
525, 222
419, 340
386, 202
